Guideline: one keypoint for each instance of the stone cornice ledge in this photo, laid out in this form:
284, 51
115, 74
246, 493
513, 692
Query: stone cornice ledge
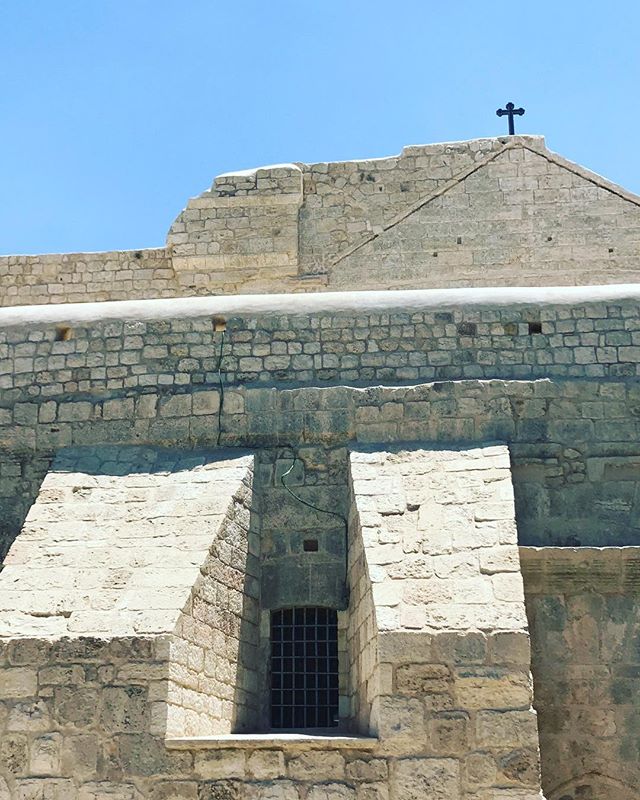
272, 741
562, 570
407, 300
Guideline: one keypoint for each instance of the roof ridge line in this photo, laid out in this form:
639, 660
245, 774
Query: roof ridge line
401, 216
583, 172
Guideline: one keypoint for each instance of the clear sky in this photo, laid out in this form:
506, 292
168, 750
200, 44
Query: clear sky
114, 112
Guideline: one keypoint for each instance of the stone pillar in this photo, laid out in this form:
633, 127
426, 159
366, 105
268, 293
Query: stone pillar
447, 686
129, 543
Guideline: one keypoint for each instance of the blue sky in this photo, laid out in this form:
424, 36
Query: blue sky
114, 112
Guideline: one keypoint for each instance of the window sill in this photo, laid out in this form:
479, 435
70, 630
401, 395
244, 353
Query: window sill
285, 741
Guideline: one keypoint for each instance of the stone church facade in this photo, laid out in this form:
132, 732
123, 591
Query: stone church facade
334, 497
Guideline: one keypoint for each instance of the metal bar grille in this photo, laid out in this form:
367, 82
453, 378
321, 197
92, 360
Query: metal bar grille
304, 668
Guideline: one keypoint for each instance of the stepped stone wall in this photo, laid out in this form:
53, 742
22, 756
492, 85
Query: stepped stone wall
572, 431
573, 446
489, 212
430, 463
104, 527
87, 718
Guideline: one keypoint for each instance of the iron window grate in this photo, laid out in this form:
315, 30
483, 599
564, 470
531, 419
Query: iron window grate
304, 668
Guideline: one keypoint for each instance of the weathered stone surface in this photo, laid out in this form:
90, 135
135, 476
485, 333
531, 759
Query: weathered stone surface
585, 662
427, 217
117, 501
316, 766
221, 764
266, 765
416, 778
134, 605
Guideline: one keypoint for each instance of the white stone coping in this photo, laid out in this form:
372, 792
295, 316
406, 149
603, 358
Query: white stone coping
271, 741
386, 301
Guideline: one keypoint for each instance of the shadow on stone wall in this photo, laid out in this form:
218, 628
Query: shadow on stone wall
20, 479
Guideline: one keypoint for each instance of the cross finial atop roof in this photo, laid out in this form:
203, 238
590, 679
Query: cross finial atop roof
510, 110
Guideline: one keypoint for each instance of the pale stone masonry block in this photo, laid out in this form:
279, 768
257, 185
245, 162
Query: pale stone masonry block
133, 499
266, 765
451, 670
402, 221
317, 766
18, 682
416, 778
452, 494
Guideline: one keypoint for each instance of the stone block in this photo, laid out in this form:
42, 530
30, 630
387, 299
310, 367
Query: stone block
124, 708
449, 733
80, 755
417, 778
118, 409
45, 755
375, 769
506, 729
266, 764
207, 402
273, 790
174, 790
491, 687
50, 789
331, 791
18, 682
420, 679
107, 790
400, 717
319, 765
220, 764
510, 648
14, 753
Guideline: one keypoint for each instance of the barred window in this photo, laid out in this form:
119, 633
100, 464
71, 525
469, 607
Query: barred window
304, 668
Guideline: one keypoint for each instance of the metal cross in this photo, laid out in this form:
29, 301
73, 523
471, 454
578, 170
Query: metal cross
511, 111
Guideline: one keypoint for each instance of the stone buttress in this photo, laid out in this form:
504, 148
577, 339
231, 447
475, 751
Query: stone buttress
438, 633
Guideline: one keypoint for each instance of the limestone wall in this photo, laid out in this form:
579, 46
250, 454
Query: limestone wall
115, 541
488, 212
215, 676
576, 461
81, 727
86, 718
516, 216
243, 233
302, 546
440, 538
362, 631
86, 277
78, 376
418, 337
450, 677
584, 614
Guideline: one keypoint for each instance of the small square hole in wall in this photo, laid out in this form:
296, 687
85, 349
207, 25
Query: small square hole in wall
63, 333
535, 327
310, 545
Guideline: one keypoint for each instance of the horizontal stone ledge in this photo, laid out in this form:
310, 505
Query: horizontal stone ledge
570, 570
270, 741
387, 301
255, 198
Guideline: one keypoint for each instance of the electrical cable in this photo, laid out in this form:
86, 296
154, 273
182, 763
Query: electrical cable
337, 514
296, 497
221, 385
